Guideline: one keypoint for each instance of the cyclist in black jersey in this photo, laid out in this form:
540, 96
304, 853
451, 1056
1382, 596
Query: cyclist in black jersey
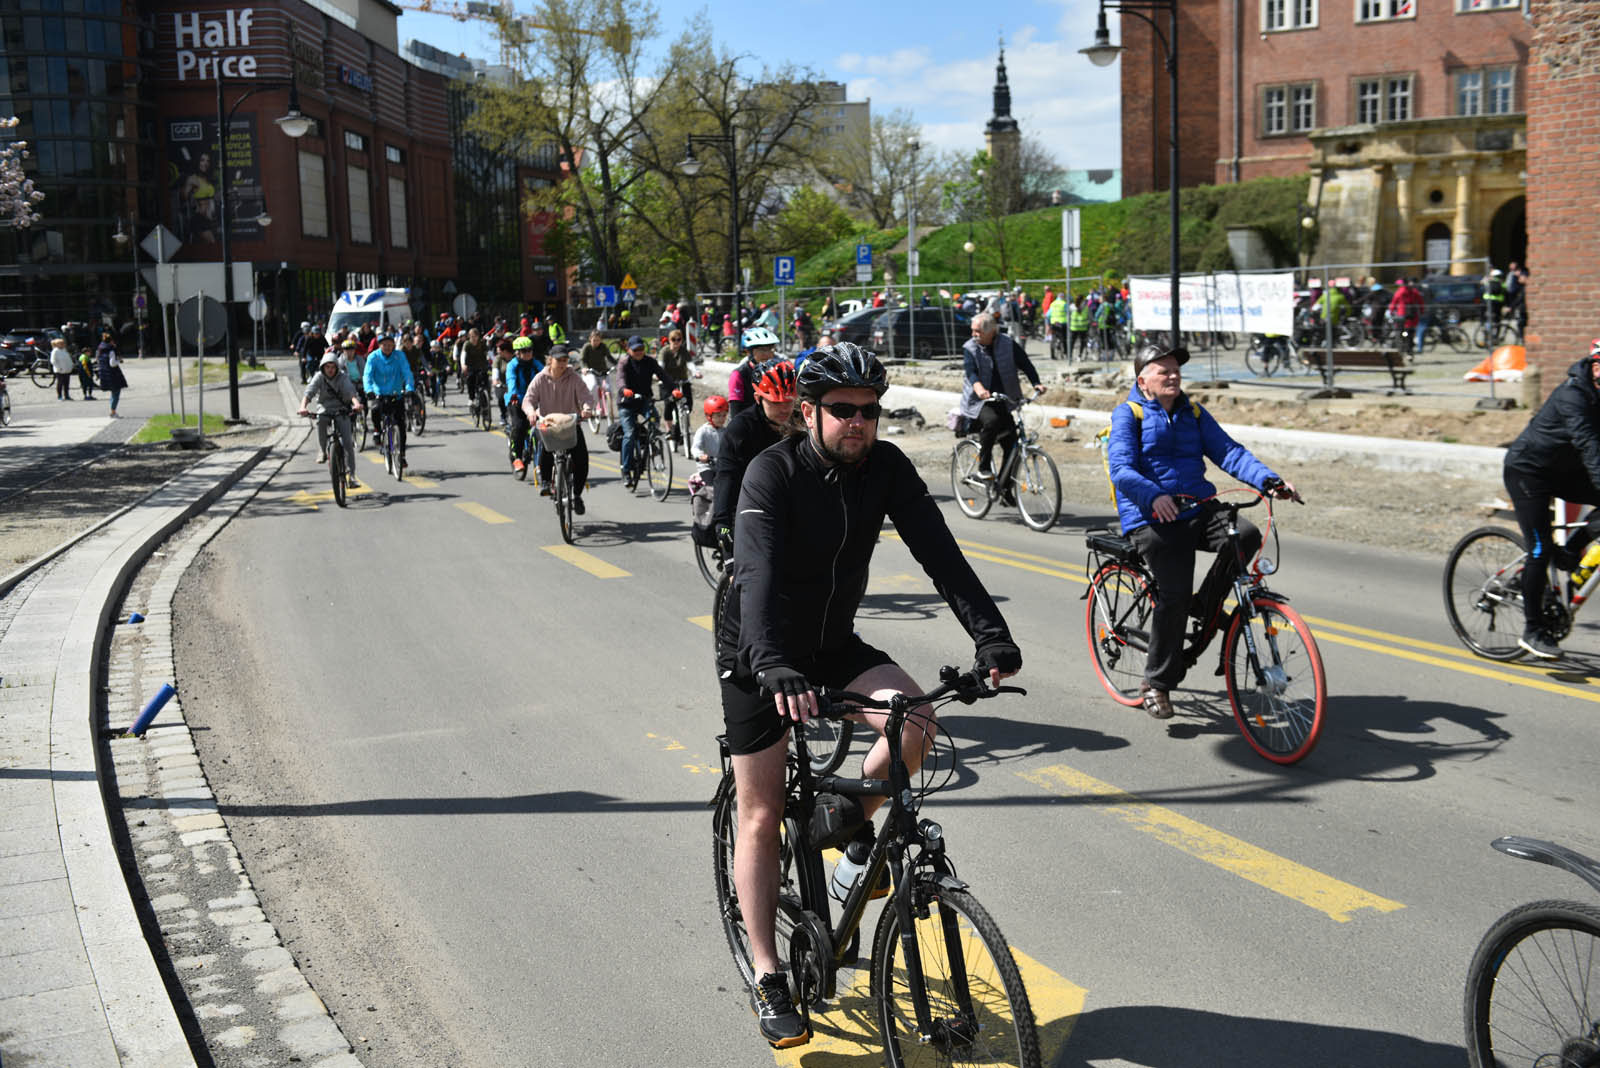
810, 510
766, 423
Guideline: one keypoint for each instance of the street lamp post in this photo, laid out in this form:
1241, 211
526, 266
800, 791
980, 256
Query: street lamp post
130, 236
969, 248
692, 166
1103, 53
294, 125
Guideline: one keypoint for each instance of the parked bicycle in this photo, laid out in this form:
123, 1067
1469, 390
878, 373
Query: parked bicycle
945, 985
1502, 331
1276, 685
1268, 354
1027, 478
1446, 330
1483, 592
1533, 988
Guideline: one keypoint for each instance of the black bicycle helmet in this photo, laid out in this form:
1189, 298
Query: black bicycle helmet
841, 366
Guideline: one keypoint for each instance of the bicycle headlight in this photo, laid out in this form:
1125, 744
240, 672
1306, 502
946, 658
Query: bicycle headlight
931, 831
1266, 565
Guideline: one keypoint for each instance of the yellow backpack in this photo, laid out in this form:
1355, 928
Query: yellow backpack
1103, 441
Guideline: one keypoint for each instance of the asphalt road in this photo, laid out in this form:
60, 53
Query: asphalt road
469, 777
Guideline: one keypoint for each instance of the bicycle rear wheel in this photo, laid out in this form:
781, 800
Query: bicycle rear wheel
5, 408
976, 999
42, 374
1038, 488
1278, 709
724, 834
419, 416
659, 469
971, 492
1117, 622
1483, 592
562, 492
1533, 989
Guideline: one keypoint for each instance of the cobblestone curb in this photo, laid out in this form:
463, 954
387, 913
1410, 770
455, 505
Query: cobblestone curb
248, 998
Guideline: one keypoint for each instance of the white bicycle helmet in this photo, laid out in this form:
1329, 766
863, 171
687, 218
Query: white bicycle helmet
757, 336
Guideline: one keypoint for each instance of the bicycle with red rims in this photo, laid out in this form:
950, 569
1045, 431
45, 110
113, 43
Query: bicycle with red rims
1276, 683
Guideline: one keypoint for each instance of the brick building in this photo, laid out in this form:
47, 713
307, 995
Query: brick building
1563, 187
1407, 113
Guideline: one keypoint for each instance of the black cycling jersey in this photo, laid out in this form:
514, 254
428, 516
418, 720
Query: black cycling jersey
803, 543
1560, 447
743, 439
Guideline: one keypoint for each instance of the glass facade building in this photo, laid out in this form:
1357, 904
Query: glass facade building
77, 75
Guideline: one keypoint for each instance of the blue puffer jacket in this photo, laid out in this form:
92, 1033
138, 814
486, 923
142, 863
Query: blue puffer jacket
1166, 453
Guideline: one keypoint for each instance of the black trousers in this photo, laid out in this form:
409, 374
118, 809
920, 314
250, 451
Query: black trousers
995, 425
517, 427
1530, 498
395, 404
1168, 550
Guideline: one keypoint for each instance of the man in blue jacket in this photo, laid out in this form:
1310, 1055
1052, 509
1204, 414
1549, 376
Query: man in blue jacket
387, 379
1160, 441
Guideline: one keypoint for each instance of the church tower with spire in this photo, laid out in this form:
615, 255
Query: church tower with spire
1003, 139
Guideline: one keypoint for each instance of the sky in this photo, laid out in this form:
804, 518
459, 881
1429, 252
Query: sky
934, 59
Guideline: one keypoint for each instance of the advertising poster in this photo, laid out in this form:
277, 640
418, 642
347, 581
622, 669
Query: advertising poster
193, 176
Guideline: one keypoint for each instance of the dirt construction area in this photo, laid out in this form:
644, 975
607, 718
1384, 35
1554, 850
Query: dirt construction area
1346, 501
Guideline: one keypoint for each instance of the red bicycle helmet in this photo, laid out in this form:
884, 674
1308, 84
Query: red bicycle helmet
714, 404
1594, 347
775, 382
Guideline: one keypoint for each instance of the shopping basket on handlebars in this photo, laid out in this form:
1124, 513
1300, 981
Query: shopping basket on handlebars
558, 432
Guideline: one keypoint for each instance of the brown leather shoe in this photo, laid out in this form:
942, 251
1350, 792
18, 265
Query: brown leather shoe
1156, 702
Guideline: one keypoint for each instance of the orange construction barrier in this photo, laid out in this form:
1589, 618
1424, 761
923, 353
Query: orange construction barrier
1505, 363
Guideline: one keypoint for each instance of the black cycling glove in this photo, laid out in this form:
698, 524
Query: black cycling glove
725, 540
1003, 657
783, 679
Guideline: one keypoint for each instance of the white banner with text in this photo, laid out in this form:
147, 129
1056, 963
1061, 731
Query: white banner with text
1240, 303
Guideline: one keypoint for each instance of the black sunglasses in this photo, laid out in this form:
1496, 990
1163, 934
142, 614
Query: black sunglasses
841, 410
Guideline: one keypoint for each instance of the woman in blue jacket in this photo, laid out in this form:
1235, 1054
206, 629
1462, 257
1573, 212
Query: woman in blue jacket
1160, 441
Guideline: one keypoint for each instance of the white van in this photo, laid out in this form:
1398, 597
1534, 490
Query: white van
388, 307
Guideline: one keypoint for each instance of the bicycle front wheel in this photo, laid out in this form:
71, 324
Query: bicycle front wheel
971, 492
659, 470
1533, 990
5, 408
1117, 621
563, 495
709, 560
828, 743
1257, 360
1483, 592
1279, 700
976, 1000
336, 470
42, 374
1037, 485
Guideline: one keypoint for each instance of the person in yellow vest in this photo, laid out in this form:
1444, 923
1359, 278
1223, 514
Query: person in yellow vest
1078, 322
1057, 318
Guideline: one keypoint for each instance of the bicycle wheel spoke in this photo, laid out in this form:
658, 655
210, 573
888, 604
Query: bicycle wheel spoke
1530, 995
1277, 692
1483, 592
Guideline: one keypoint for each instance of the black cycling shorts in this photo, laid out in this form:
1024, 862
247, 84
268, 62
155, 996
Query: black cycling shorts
753, 724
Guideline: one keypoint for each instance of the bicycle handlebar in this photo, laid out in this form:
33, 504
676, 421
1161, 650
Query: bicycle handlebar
955, 685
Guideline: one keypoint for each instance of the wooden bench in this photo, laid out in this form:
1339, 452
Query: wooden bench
1328, 361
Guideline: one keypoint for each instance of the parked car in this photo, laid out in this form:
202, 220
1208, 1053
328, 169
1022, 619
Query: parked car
19, 348
1459, 293
920, 332
855, 327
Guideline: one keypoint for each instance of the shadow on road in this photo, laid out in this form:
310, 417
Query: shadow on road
983, 742
1164, 1036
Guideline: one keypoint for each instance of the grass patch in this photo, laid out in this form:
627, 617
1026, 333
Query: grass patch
159, 428
217, 370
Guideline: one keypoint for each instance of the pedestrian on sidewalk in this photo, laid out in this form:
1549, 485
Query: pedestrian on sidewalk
61, 365
85, 369
110, 368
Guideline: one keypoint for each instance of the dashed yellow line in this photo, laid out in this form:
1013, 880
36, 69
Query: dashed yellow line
586, 561
1333, 897
702, 621
478, 511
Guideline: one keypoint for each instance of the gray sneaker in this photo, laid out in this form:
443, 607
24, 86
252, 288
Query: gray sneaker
1540, 645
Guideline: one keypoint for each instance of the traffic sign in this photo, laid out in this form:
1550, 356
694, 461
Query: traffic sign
864, 255
201, 320
627, 295
783, 270
258, 308
628, 282
465, 306
863, 272
605, 296
1071, 241
549, 287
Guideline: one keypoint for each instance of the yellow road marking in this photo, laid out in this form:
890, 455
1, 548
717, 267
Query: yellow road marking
311, 500
478, 511
422, 483
701, 621
1386, 643
586, 561
1337, 899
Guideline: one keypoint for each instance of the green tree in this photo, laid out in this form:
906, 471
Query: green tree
808, 223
